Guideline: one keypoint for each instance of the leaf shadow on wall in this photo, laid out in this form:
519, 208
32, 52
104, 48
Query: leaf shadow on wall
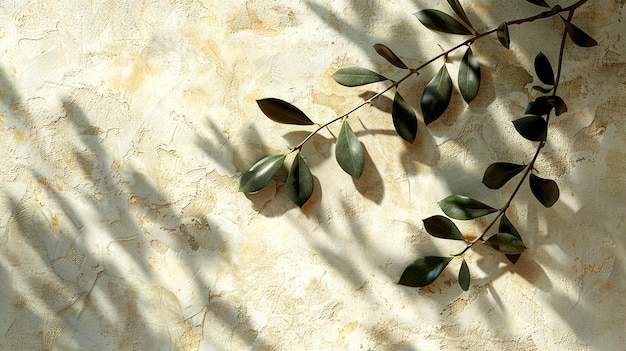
82, 249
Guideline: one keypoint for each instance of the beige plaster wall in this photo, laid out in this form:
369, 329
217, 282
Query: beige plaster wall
126, 124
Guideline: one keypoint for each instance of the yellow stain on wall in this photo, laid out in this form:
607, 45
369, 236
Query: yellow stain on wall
346, 330
18, 136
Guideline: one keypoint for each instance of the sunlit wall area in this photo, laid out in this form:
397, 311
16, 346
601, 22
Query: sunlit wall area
126, 126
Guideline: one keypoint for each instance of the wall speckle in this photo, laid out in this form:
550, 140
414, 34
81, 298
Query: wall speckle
127, 124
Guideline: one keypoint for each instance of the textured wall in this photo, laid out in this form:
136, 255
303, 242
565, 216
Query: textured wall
126, 124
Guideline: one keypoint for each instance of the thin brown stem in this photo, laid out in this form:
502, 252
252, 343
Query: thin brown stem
415, 71
368, 101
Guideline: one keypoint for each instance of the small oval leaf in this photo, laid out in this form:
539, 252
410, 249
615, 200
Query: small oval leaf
424, 271
390, 56
507, 227
349, 152
503, 35
463, 207
545, 190
532, 128
299, 182
356, 76
260, 173
441, 22
543, 68
579, 37
458, 9
559, 105
539, 3
506, 243
539, 107
442, 227
469, 76
464, 276
436, 96
499, 173
404, 119
283, 112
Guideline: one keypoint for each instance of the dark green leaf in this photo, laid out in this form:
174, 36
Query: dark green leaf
356, 76
260, 173
503, 35
507, 227
389, 55
544, 69
542, 89
532, 128
506, 243
404, 119
499, 173
539, 2
349, 152
464, 276
441, 22
558, 103
463, 207
513, 258
424, 271
539, 107
579, 37
545, 190
553, 11
436, 96
458, 9
283, 112
469, 76
442, 227
299, 182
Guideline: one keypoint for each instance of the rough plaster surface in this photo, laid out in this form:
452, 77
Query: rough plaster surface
125, 126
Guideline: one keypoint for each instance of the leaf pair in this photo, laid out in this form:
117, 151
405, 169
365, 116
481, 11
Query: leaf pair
437, 94
403, 116
534, 127
299, 181
499, 173
545, 73
462, 207
579, 37
257, 177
